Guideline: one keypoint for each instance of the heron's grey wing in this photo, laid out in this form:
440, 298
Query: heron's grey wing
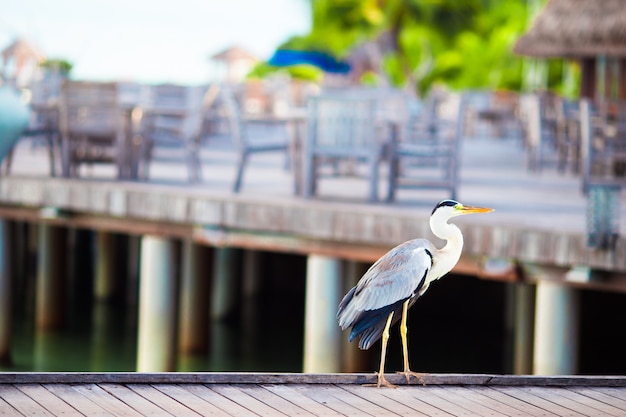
396, 276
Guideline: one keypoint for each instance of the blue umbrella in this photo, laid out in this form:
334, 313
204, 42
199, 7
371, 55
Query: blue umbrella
321, 60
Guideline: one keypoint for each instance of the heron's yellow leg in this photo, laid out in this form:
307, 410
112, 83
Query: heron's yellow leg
385, 338
405, 349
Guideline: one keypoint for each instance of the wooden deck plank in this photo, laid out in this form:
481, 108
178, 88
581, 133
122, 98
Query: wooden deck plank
289, 393
468, 402
22, 402
617, 393
105, 400
365, 404
559, 395
7, 410
477, 396
273, 400
245, 400
599, 406
402, 395
134, 400
324, 397
77, 400
524, 407
218, 400
47, 399
522, 394
396, 401
163, 401
183, 395
597, 394
426, 395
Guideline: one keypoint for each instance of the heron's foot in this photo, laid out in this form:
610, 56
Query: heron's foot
419, 375
382, 382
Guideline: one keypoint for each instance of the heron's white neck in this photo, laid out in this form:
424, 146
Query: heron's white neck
449, 255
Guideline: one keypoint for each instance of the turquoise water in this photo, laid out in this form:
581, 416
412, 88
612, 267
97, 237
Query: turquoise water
104, 338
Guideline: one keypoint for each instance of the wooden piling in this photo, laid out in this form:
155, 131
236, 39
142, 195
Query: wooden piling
193, 320
51, 277
556, 329
353, 359
225, 282
322, 342
5, 293
157, 306
105, 267
523, 326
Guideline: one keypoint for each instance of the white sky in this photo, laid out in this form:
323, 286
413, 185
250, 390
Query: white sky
150, 40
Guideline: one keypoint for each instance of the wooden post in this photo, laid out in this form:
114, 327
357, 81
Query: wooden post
157, 306
556, 329
6, 315
105, 266
193, 321
251, 303
353, 359
225, 282
132, 270
251, 274
524, 299
51, 277
322, 335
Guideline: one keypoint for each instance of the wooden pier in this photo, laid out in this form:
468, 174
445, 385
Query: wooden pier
537, 236
235, 394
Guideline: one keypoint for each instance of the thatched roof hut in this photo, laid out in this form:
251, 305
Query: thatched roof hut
19, 63
583, 30
233, 64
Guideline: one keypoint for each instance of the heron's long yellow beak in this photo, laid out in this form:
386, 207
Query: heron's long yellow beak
473, 209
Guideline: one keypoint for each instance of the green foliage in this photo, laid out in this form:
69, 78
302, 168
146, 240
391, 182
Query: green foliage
460, 43
61, 65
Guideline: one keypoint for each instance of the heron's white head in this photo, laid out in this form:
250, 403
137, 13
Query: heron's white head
447, 209
450, 208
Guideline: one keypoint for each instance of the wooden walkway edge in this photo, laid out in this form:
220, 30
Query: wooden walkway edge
288, 394
300, 378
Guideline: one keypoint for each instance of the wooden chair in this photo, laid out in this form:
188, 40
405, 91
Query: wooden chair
92, 125
425, 152
173, 119
342, 128
249, 137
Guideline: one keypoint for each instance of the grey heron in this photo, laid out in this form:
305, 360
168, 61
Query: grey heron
393, 283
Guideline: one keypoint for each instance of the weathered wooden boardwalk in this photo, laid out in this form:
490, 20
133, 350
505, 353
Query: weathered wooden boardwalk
539, 218
234, 394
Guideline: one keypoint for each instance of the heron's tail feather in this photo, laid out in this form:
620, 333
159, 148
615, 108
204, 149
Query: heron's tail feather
371, 323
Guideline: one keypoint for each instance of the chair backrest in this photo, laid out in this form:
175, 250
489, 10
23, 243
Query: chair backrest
89, 108
175, 111
437, 122
236, 126
342, 124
